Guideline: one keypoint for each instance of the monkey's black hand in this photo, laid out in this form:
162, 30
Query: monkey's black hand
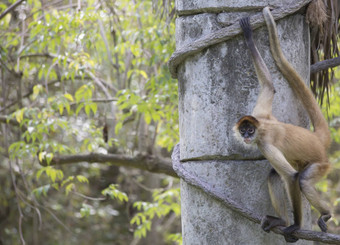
322, 222
268, 222
245, 25
289, 237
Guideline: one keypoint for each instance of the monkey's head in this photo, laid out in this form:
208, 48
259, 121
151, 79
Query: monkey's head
246, 129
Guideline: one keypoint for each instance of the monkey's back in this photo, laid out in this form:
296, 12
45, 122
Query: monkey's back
299, 145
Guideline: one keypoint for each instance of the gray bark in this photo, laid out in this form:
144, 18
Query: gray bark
216, 87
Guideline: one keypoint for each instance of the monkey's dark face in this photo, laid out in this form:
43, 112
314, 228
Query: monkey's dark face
248, 132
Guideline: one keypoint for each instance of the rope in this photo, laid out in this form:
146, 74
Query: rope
227, 33
196, 181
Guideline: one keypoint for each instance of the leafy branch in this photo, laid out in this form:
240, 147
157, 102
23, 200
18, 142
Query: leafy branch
10, 8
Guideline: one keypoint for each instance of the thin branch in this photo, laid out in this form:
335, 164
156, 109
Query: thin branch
31, 92
143, 186
10, 8
56, 218
144, 162
227, 33
35, 202
11, 121
109, 100
38, 55
3, 64
6, 120
106, 43
325, 64
24, 199
234, 206
87, 197
87, 71
21, 216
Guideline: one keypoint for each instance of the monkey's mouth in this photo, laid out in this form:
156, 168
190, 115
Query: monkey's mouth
247, 140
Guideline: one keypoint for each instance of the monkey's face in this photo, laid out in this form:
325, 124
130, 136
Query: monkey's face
248, 132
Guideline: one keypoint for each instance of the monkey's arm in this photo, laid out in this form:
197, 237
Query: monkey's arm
263, 108
296, 82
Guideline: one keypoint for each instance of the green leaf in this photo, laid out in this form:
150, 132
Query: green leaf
36, 90
147, 117
143, 73
118, 127
87, 110
69, 188
94, 108
41, 190
69, 97
40, 171
82, 179
79, 107
19, 115
85, 210
61, 109
114, 193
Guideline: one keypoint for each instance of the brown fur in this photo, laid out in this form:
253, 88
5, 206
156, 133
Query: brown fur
316, 14
297, 154
250, 119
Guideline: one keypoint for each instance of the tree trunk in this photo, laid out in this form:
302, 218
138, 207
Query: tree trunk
216, 87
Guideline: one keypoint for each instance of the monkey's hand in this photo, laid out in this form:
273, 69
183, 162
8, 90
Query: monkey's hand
289, 237
268, 222
322, 222
245, 25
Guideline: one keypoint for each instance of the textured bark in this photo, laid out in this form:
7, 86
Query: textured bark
238, 208
218, 85
144, 162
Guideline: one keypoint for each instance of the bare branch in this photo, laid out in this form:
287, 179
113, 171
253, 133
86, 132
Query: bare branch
144, 162
10, 8
325, 64
109, 100
21, 215
234, 206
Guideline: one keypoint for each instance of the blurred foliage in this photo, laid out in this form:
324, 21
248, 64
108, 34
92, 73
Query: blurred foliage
72, 72
69, 69
330, 186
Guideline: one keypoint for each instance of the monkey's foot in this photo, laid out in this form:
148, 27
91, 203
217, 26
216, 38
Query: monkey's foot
268, 222
322, 222
289, 237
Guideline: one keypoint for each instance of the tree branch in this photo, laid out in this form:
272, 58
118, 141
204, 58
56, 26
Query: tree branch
10, 8
144, 162
227, 33
246, 213
6, 120
325, 64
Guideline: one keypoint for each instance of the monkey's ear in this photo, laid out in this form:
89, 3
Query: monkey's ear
249, 119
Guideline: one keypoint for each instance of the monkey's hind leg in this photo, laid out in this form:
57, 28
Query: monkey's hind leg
308, 178
279, 198
277, 195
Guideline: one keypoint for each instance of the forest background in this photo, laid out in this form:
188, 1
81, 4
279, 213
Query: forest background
88, 114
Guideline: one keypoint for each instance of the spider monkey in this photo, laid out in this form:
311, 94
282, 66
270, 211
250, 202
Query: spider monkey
297, 155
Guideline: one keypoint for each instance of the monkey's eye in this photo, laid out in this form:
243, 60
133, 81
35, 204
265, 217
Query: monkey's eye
251, 130
242, 130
